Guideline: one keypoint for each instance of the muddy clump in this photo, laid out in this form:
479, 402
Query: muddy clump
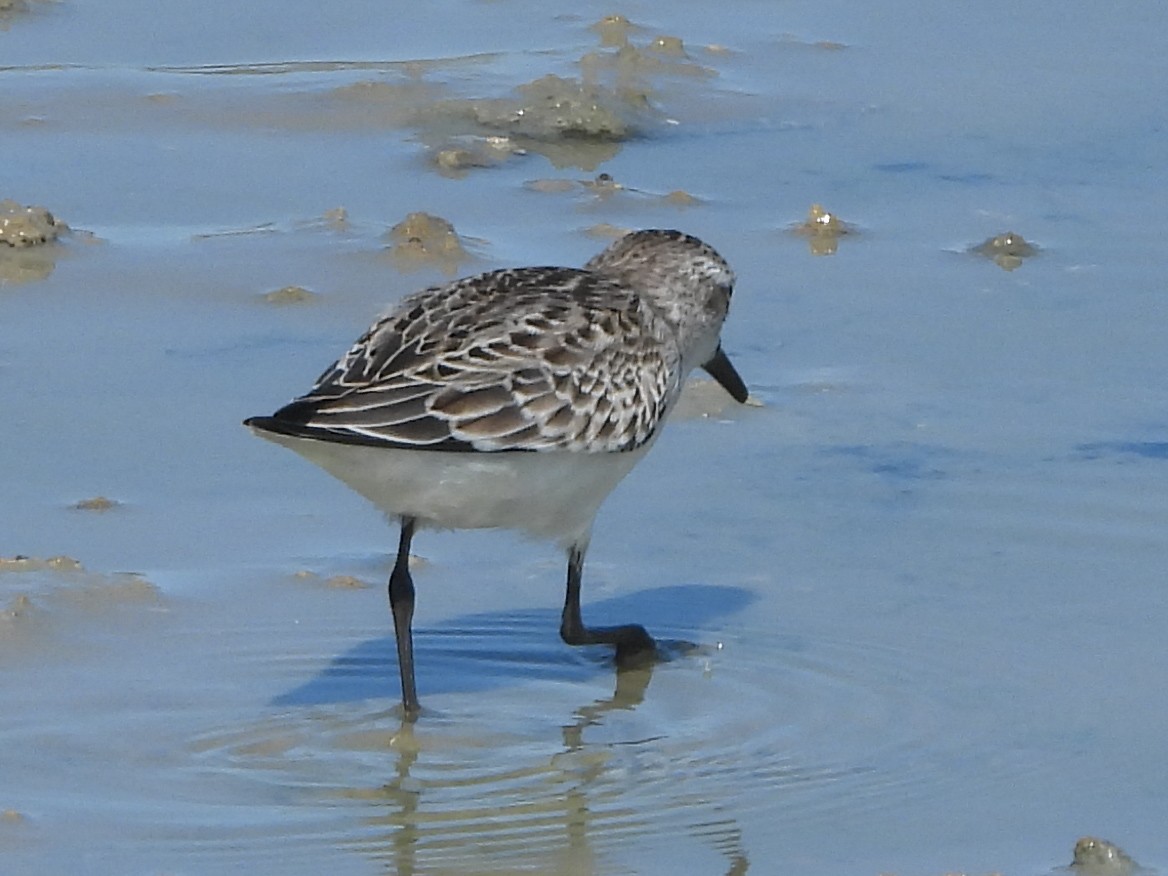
289, 295
681, 198
422, 240
553, 107
456, 156
345, 582
26, 235
606, 231
28, 226
1006, 250
638, 72
23, 563
823, 230
670, 46
614, 31
1098, 857
572, 120
98, 504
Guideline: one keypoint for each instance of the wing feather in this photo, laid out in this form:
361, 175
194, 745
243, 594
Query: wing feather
523, 359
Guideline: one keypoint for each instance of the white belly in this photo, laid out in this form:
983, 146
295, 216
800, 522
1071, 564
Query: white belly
552, 495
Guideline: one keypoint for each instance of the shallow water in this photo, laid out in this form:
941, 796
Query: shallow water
926, 576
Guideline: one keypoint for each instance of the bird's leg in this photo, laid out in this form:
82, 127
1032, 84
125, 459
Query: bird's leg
401, 603
634, 645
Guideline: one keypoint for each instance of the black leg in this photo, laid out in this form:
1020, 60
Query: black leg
634, 645
401, 603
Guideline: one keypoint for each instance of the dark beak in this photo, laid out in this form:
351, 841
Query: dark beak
721, 370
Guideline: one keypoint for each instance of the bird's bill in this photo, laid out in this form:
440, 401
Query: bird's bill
721, 370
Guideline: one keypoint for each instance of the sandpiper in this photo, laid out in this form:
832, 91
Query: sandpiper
518, 399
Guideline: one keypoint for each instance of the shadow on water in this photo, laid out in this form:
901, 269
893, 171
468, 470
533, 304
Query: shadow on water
1122, 449
496, 649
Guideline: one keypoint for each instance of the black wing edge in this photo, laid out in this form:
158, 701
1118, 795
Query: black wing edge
294, 420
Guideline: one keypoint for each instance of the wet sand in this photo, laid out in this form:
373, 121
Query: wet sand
925, 571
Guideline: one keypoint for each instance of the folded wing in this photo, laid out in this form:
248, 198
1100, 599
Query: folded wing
527, 359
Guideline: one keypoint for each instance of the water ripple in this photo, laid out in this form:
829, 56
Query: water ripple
542, 762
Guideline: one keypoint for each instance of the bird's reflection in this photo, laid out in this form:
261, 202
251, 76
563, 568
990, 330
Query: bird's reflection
416, 831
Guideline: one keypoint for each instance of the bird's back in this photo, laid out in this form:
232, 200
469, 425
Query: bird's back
525, 359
